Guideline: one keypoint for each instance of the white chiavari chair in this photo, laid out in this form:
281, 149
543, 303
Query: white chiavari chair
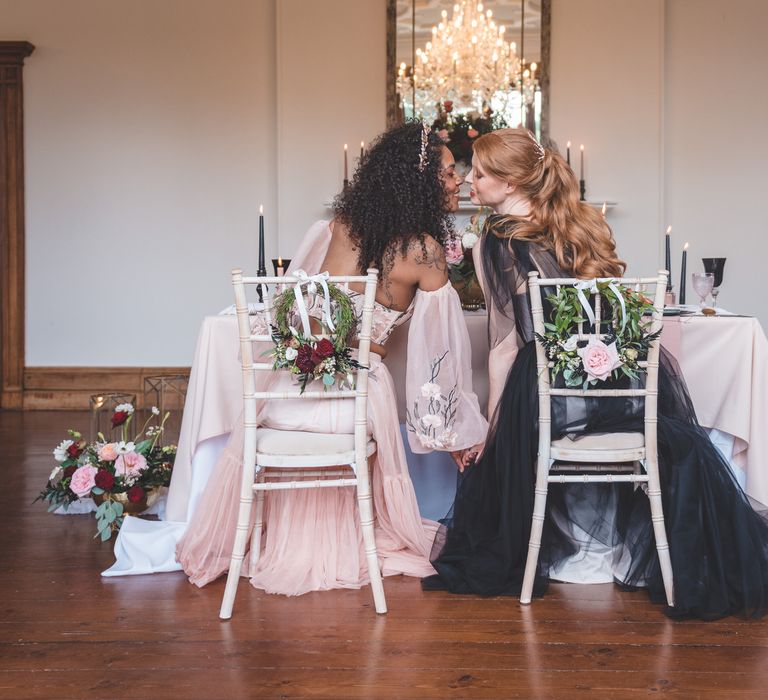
281, 459
607, 457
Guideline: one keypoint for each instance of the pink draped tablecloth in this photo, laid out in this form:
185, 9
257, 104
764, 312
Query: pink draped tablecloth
724, 360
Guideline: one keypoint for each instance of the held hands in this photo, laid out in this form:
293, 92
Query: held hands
467, 457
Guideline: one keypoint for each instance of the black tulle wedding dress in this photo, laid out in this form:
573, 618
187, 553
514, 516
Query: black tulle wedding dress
718, 538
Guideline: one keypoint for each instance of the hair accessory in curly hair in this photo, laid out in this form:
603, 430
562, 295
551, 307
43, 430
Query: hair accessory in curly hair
539, 148
424, 155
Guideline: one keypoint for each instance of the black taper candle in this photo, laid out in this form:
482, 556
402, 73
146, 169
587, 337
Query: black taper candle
682, 274
262, 269
668, 257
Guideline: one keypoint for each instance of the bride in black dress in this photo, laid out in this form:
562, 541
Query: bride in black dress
718, 540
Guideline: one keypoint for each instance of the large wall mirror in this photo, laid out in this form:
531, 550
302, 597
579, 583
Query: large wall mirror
476, 63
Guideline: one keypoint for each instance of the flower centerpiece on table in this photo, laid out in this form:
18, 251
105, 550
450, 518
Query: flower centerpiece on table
461, 266
615, 350
459, 131
123, 475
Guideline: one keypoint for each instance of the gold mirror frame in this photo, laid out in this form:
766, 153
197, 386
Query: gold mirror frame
546, 26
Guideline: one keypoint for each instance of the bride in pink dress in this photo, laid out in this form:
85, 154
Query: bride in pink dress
394, 216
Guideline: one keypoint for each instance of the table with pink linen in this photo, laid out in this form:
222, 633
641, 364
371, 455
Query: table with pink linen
724, 360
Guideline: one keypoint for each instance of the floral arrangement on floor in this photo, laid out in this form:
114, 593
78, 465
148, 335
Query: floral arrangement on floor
119, 475
461, 266
598, 358
459, 131
311, 358
435, 427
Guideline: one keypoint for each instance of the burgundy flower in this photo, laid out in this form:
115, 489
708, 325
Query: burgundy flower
324, 349
104, 479
69, 471
119, 417
448, 105
76, 449
304, 359
135, 494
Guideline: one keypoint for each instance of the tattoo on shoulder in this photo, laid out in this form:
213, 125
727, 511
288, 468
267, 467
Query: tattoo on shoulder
428, 255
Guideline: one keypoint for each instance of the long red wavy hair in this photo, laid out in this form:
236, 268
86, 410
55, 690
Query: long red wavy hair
577, 233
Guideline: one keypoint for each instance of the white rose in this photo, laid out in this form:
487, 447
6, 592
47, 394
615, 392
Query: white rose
570, 344
291, 353
60, 452
468, 240
430, 390
430, 420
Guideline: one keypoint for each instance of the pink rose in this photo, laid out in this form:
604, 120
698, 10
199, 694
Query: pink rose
130, 464
443, 134
472, 132
108, 453
599, 359
83, 480
454, 253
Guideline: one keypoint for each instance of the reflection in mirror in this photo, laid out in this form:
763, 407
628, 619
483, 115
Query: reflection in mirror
469, 60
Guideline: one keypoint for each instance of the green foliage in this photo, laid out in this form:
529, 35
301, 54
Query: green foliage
311, 358
629, 330
343, 313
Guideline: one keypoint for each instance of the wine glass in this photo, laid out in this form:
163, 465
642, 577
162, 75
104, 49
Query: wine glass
715, 266
703, 282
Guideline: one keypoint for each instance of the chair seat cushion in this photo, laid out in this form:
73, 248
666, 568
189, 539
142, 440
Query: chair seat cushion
601, 441
296, 442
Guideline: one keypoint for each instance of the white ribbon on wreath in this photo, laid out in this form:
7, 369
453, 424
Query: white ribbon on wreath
311, 282
591, 286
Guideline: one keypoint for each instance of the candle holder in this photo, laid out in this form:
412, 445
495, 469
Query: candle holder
345, 186
583, 190
102, 407
261, 272
167, 392
280, 269
670, 298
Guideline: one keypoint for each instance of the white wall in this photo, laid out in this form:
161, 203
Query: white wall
667, 97
149, 145
331, 80
717, 141
154, 130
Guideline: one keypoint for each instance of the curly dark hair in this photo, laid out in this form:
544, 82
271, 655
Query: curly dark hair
390, 202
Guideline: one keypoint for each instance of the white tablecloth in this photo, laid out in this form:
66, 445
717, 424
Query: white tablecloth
724, 361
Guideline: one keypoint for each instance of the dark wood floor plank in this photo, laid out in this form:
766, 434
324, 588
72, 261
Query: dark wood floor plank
464, 683
395, 656
67, 633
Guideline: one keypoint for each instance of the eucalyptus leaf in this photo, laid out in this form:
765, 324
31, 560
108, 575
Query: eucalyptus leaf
142, 448
96, 490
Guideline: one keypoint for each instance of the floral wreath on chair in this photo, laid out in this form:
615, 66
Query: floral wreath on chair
305, 355
598, 357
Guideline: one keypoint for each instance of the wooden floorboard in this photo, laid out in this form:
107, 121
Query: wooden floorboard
65, 632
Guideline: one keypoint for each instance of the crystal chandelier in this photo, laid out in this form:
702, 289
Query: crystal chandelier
528, 83
468, 62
